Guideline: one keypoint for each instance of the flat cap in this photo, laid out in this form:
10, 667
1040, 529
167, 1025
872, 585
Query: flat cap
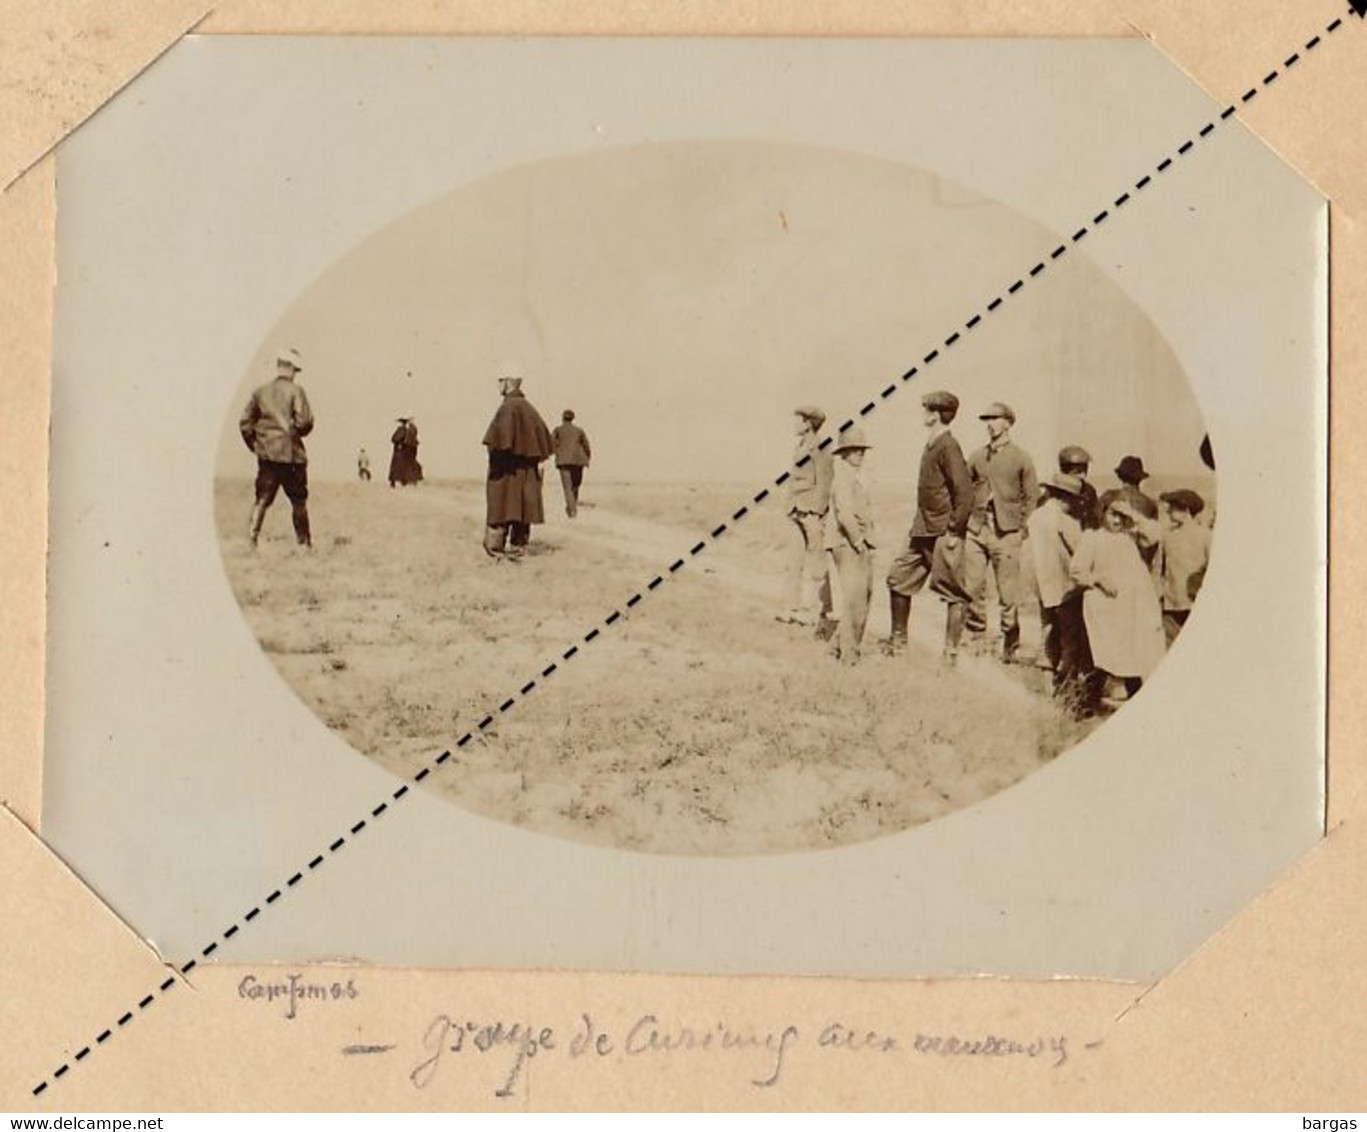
851, 438
1073, 455
941, 399
1189, 501
811, 413
998, 411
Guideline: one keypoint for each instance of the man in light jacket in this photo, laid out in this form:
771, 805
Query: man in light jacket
1005, 491
273, 425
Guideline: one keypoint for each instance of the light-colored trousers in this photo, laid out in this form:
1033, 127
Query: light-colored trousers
1001, 552
853, 570
807, 586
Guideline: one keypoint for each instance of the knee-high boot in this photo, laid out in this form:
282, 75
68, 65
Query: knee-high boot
899, 606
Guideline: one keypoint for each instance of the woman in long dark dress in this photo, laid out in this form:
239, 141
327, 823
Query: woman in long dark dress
403, 465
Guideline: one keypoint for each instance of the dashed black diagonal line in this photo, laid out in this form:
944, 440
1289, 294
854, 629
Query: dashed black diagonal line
970, 326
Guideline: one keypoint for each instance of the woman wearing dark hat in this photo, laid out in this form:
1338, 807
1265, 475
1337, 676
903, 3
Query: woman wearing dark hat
403, 465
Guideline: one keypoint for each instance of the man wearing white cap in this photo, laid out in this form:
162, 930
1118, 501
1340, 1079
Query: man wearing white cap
273, 426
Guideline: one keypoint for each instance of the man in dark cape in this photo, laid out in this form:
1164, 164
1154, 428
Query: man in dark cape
518, 441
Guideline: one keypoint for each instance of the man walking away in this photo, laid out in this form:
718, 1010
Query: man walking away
518, 441
944, 499
273, 425
807, 590
1004, 494
572, 456
849, 538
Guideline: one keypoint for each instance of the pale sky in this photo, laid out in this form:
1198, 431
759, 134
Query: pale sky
683, 298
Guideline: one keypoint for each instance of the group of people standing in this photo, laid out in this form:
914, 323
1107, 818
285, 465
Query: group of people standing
278, 417
1115, 582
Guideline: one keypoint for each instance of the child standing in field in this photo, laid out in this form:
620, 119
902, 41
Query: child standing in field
849, 540
1186, 553
1120, 607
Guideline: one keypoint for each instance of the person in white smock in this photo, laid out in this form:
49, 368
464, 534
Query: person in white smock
1120, 607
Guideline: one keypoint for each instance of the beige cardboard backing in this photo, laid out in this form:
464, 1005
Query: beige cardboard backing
1269, 1015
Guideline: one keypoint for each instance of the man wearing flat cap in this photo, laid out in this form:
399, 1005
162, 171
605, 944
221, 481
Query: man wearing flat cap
518, 441
1055, 530
1185, 554
572, 455
1074, 460
273, 425
807, 590
935, 550
849, 537
1004, 493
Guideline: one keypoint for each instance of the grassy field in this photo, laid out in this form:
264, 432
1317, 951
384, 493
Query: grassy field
698, 724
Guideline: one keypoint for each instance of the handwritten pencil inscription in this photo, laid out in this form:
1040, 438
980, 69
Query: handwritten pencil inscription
508, 1048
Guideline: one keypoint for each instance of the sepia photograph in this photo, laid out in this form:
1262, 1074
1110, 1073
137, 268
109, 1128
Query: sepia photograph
929, 605
866, 521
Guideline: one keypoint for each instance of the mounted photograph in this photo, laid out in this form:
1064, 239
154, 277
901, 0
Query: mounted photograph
834, 507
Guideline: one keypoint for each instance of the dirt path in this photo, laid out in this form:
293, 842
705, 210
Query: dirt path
656, 544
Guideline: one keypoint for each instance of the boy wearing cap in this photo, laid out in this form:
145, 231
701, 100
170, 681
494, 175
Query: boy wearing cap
572, 456
1055, 529
273, 425
849, 539
807, 592
944, 499
1185, 548
1074, 460
1004, 494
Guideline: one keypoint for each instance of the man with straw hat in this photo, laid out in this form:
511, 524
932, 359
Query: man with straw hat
273, 426
518, 441
849, 539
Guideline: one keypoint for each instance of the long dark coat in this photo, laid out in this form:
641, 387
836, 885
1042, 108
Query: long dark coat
518, 441
403, 465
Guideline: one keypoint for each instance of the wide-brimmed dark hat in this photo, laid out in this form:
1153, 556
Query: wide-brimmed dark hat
1131, 469
1188, 500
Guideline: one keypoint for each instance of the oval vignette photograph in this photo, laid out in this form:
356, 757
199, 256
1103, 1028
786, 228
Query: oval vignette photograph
621, 405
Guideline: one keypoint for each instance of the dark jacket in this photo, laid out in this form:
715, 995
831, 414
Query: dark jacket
944, 492
571, 445
1005, 478
518, 440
